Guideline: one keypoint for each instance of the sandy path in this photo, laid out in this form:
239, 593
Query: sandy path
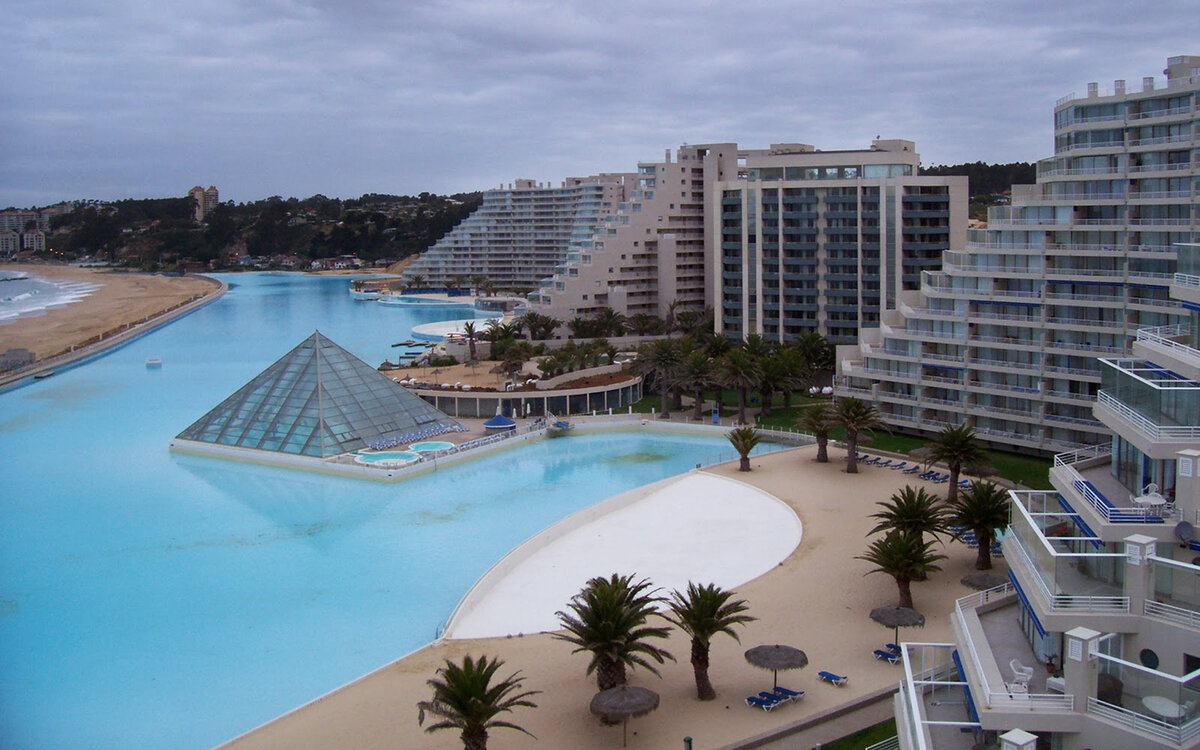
817, 600
122, 299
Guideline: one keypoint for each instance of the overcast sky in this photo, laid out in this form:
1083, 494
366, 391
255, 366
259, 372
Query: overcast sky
128, 98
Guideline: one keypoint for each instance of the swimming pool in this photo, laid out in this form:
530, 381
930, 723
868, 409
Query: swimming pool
386, 458
150, 599
430, 446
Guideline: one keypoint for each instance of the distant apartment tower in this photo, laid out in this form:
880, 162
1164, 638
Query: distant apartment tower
520, 233
822, 241
649, 255
18, 220
10, 243
203, 200
1006, 336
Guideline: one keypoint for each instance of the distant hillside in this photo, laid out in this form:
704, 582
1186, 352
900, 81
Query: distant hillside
161, 234
988, 179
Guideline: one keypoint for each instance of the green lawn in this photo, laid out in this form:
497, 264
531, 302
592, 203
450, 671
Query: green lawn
864, 738
1030, 471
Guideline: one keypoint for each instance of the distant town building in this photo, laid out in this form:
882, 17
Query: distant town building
18, 219
10, 243
34, 241
203, 200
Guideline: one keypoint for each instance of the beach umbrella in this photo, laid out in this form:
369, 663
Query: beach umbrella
896, 618
777, 657
983, 581
623, 703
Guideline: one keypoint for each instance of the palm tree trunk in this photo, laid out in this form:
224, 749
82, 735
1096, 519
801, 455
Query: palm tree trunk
787, 399
983, 560
741, 405
474, 739
665, 396
704, 688
822, 450
767, 397
905, 593
610, 674
952, 490
697, 412
745, 464
851, 451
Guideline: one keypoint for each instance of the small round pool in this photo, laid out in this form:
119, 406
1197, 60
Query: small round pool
386, 459
431, 445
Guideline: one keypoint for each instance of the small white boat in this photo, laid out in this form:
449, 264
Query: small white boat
152, 362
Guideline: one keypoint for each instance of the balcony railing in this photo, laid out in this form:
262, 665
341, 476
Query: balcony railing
1164, 336
1153, 430
1175, 733
1178, 615
993, 698
1186, 279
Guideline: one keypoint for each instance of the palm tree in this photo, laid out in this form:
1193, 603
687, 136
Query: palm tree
775, 377
982, 509
854, 416
913, 511
696, 374
741, 371
816, 351
469, 333
792, 364
905, 558
662, 359
464, 698
703, 612
956, 447
540, 327
644, 324
819, 420
609, 322
743, 440
608, 618
416, 281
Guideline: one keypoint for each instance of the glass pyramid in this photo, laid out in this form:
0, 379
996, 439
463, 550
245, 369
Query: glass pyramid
317, 400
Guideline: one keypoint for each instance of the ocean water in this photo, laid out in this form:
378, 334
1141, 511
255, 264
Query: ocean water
153, 600
23, 295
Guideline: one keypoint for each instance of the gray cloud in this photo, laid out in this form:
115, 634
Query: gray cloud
134, 98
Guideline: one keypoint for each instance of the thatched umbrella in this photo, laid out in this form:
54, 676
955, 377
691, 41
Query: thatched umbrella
922, 455
622, 703
980, 471
896, 618
777, 657
983, 581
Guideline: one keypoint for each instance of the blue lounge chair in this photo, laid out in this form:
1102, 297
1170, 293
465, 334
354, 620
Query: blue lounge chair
767, 705
773, 697
889, 656
899, 465
832, 679
791, 695
895, 649
913, 469
884, 463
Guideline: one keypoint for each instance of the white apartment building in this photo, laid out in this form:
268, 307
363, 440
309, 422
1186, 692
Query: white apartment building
1007, 334
650, 253
1104, 581
822, 241
520, 233
204, 200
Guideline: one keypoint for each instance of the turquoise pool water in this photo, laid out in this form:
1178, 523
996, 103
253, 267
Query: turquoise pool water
152, 600
386, 456
430, 445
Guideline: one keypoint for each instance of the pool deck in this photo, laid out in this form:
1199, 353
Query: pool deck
817, 598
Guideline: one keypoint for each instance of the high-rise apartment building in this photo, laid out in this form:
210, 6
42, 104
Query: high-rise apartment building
649, 255
1006, 335
203, 201
821, 241
1095, 640
519, 234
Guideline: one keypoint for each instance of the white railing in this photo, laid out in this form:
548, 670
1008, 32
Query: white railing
1178, 615
1186, 279
1177, 734
1002, 699
1151, 429
1162, 336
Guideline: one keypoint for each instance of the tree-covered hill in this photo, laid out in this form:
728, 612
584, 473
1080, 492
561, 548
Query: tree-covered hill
988, 179
161, 232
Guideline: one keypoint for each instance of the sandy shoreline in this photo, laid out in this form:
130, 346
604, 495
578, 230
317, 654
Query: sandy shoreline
817, 600
122, 299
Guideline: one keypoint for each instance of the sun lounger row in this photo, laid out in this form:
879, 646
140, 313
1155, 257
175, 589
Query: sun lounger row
770, 701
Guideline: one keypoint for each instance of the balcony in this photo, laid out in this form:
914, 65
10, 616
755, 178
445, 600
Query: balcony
1083, 479
1119, 416
1143, 700
1170, 346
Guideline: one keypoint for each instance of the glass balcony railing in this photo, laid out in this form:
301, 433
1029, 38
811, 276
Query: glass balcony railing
1062, 554
1146, 700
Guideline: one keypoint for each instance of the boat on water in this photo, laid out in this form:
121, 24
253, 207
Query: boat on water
558, 428
153, 362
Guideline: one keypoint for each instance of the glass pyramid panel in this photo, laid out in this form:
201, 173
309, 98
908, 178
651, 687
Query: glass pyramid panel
317, 400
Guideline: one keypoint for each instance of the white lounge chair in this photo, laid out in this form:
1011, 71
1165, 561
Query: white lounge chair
1021, 673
